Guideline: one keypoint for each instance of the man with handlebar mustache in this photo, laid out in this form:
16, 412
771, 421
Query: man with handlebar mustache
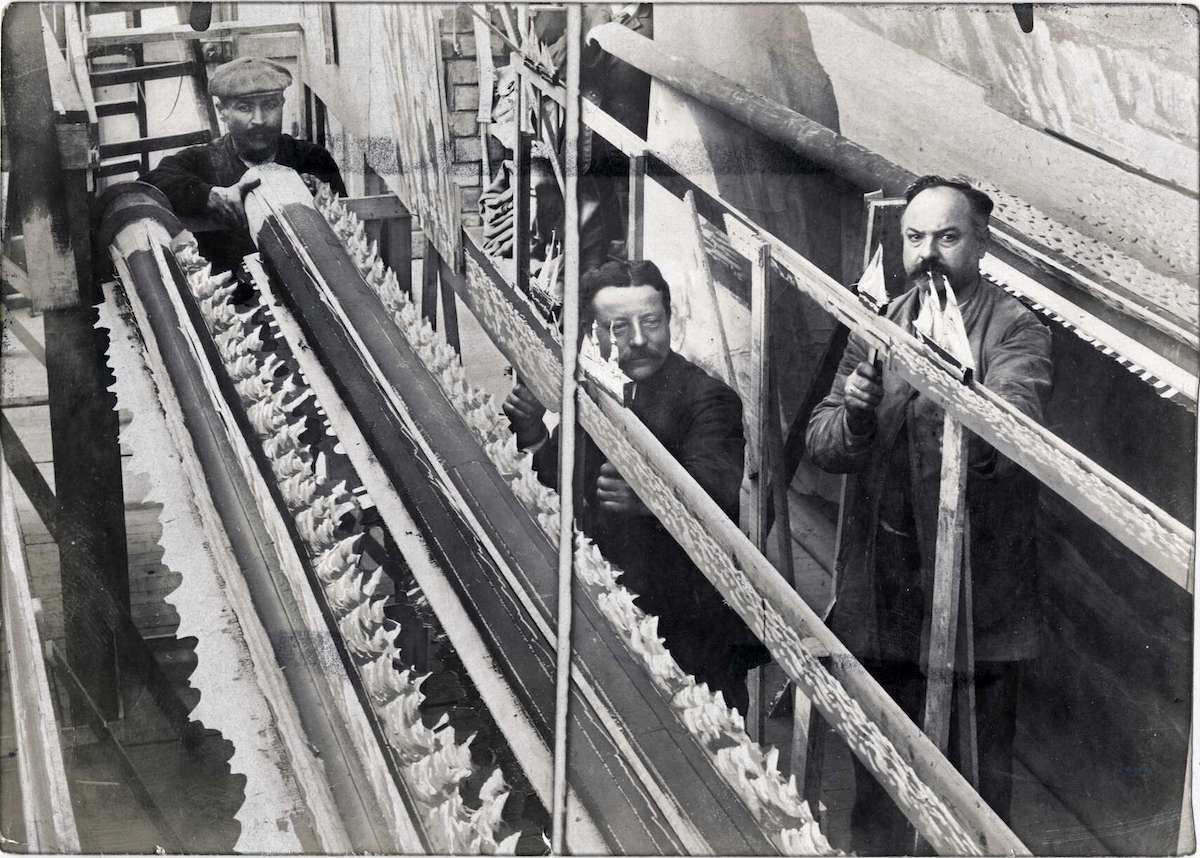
887, 437
211, 179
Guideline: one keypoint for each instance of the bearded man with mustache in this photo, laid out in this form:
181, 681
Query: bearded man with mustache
210, 179
699, 420
888, 437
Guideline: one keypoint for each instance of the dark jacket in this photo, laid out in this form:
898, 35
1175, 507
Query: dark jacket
1012, 353
187, 176
699, 420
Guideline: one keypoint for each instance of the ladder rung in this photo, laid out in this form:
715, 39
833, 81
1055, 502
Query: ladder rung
153, 144
123, 6
119, 168
116, 106
153, 71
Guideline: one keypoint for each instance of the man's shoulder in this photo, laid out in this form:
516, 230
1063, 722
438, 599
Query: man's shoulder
688, 379
300, 148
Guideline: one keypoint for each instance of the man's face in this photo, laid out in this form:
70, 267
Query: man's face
255, 121
640, 328
940, 234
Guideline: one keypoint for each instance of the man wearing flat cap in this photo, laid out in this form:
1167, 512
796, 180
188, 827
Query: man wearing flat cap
210, 179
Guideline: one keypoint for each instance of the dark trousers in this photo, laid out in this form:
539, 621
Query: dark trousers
877, 826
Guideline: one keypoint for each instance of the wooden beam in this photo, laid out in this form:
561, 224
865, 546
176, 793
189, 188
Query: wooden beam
154, 144
947, 581
377, 207
141, 73
40, 193
88, 485
120, 168
116, 106
449, 307
636, 234
49, 818
184, 32
26, 339
429, 282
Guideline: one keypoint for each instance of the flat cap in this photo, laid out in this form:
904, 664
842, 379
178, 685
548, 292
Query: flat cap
248, 76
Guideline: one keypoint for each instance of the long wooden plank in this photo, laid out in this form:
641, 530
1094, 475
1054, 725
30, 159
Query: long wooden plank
184, 32
933, 795
153, 144
45, 797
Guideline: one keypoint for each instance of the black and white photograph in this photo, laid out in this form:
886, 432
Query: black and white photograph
627, 429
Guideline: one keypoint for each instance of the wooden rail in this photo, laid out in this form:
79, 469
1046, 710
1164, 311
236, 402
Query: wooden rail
49, 819
1138, 523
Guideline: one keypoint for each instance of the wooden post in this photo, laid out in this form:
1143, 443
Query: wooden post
429, 282
947, 583
567, 431
449, 308
964, 677
521, 184
760, 484
636, 237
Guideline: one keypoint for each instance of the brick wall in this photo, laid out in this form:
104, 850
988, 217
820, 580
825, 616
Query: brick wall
462, 99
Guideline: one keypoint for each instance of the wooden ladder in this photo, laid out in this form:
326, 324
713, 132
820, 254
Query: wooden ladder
128, 156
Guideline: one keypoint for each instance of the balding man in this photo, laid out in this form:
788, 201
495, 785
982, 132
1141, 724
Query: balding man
887, 436
209, 179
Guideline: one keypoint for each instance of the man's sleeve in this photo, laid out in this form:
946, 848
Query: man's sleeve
545, 460
180, 177
713, 450
1020, 372
833, 447
318, 162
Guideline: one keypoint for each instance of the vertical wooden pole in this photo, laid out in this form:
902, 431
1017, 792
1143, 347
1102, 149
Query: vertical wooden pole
397, 234
760, 369
449, 308
521, 183
947, 581
308, 114
964, 677
90, 510
636, 237
91, 507
567, 432
429, 283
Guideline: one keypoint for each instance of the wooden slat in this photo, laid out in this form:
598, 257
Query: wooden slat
29, 478
184, 32
77, 56
116, 106
120, 168
49, 819
26, 339
137, 74
377, 207
154, 144
933, 795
